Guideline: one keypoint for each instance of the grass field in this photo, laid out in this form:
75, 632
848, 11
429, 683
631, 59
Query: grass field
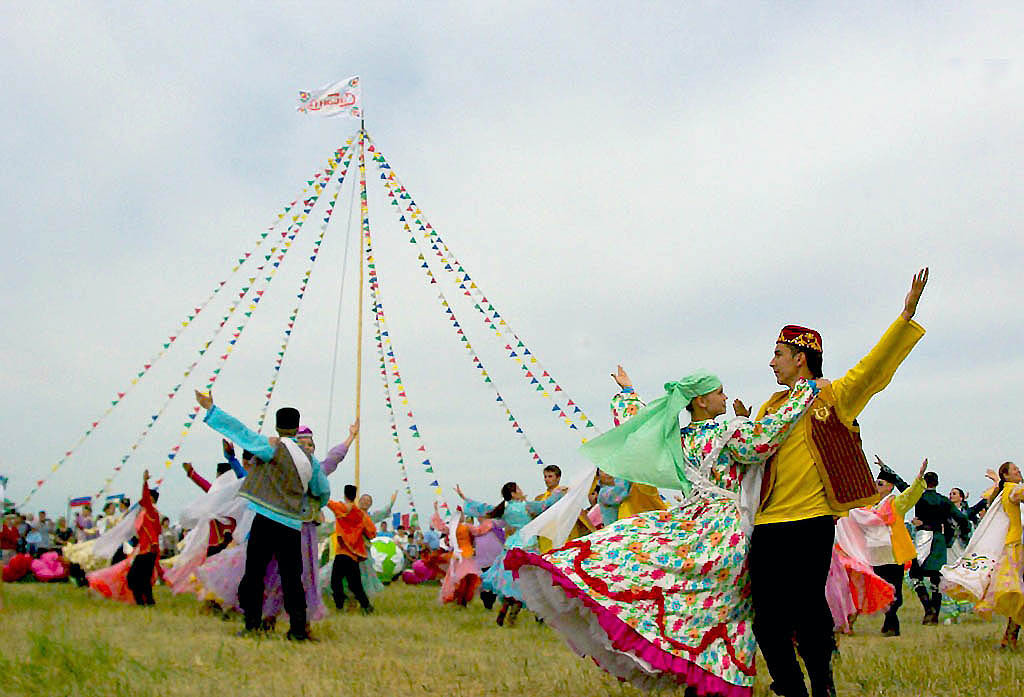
60, 640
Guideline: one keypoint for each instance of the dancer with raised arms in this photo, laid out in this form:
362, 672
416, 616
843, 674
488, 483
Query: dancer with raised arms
820, 472
662, 598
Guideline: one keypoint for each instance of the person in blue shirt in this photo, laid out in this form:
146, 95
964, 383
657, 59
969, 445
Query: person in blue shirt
285, 488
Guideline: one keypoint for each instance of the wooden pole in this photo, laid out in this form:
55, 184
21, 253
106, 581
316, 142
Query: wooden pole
362, 270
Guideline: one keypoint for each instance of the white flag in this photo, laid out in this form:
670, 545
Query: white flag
342, 98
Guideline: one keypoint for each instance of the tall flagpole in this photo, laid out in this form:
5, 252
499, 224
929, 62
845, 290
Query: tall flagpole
363, 218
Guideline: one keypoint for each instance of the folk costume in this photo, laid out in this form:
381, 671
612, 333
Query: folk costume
352, 529
991, 571
497, 579
279, 490
220, 531
818, 473
662, 598
933, 510
464, 577
212, 521
879, 531
132, 578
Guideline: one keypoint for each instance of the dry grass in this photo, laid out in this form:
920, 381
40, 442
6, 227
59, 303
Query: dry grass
59, 640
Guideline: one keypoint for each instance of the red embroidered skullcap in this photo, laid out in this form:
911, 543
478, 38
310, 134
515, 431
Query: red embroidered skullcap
802, 337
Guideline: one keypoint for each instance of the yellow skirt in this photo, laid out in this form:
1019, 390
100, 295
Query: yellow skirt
1005, 594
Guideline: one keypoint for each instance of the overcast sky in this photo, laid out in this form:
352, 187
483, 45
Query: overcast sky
661, 185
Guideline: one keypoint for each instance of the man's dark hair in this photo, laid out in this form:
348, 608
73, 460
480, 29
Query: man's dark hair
154, 494
931, 480
812, 357
223, 467
246, 455
350, 492
553, 468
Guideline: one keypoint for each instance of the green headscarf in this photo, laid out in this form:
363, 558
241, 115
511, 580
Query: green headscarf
647, 448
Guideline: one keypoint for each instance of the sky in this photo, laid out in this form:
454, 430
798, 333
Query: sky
660, 185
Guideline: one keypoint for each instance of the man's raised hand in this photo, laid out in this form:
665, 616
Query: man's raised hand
204, 400
914, 296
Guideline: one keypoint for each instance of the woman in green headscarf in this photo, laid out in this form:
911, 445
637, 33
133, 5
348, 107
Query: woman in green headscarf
663, 599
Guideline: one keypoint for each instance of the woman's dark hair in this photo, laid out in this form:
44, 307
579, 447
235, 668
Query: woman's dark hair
507, 489
1003, 469
963, 496
812, 357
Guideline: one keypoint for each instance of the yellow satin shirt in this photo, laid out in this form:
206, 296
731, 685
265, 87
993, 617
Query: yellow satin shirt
796, 491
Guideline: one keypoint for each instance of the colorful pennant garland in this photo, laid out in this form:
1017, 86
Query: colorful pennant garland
292, 317
388, 358
179, 329
569, 412
255, 295
474, 358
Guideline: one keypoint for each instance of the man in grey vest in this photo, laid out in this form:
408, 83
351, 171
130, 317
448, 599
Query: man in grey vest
284, 490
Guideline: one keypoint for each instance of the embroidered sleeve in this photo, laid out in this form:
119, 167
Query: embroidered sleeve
624, 406
753, 442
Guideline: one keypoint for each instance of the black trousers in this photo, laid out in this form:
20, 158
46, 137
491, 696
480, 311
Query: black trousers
893, 573
272, 540
346, 569
140, 578
789, 565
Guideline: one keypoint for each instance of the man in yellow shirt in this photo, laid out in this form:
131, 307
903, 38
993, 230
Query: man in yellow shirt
818, 473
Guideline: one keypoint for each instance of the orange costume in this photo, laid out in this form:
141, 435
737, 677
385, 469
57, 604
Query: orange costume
463, 578
352, 527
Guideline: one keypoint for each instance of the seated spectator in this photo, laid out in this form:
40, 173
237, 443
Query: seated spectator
9, 537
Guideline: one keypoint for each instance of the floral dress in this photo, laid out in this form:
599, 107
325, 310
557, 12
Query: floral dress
663, 598
497, 579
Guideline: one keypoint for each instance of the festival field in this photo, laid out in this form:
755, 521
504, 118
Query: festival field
60, 640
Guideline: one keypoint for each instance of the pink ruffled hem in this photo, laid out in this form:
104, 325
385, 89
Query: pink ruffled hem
627, 640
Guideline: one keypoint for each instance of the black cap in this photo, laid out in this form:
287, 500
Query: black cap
288, 418
886, 474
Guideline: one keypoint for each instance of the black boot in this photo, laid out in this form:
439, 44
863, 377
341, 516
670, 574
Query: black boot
505, 604
891, 625
513, 613
926, 603
936, 607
